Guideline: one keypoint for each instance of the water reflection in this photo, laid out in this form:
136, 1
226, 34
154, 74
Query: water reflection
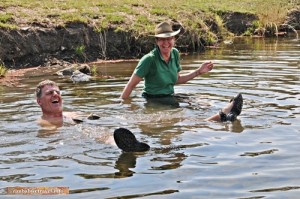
125, 162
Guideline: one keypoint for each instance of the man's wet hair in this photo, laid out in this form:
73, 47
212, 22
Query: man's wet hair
40, 86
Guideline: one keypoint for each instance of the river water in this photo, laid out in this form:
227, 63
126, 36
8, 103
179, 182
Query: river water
256, 156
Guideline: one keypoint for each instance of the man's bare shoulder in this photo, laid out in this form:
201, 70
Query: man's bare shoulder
56, 122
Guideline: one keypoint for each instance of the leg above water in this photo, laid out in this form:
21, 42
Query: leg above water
234, 109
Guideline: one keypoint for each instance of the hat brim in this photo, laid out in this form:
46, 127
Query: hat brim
169, 34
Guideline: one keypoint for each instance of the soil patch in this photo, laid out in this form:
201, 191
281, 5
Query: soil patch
12, 77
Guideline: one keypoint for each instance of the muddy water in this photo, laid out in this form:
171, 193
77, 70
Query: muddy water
256, 156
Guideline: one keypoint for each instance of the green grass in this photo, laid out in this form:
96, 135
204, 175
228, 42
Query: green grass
80, 52
139, 16
3, 70
6, 20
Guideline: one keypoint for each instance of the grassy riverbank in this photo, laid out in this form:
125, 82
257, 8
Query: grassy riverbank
123, 25
136, 15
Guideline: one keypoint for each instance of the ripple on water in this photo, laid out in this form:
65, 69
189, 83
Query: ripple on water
256, 156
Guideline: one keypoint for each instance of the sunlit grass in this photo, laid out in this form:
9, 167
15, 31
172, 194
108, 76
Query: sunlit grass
136, 15
3, 70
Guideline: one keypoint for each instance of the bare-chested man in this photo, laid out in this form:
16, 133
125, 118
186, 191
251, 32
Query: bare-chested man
49, 98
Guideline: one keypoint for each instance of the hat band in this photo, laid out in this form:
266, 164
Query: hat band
167, 34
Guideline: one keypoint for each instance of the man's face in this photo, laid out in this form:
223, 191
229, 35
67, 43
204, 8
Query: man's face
50, 100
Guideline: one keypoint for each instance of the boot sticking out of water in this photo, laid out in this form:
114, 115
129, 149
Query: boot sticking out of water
126, 141
235, 110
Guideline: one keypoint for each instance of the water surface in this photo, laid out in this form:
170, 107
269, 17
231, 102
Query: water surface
256, 156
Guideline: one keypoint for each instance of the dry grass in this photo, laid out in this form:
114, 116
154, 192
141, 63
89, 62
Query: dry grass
136, 15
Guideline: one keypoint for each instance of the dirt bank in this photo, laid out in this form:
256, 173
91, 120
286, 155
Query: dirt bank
78, 42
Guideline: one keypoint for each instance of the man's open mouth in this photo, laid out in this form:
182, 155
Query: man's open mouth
55, 101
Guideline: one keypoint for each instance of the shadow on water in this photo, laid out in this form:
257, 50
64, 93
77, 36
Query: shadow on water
253, 157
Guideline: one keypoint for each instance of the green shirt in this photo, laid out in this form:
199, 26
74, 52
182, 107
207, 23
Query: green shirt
160, 77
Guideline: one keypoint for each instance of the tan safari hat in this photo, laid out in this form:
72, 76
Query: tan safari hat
164, 30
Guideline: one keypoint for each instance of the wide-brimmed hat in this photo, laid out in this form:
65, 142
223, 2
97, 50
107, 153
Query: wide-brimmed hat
164, 29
